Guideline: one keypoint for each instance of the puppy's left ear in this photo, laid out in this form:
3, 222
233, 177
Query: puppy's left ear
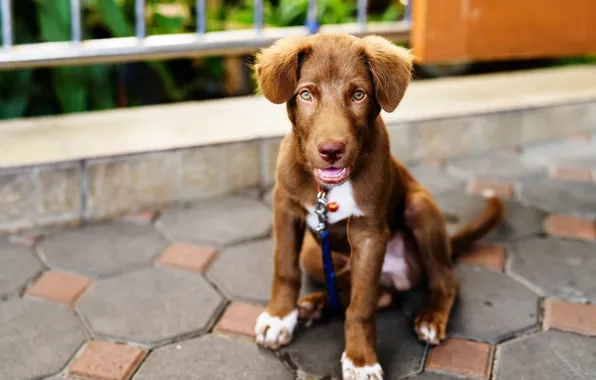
391, 69
276, 68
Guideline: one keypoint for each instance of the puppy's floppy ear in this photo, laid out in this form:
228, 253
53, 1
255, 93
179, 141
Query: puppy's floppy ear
276, 68
391, 69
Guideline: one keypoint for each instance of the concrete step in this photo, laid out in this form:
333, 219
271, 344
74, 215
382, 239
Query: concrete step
99, 165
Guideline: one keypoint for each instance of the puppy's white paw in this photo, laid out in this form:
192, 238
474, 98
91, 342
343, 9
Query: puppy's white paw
428, 333
274, 332
351, 372
488, 193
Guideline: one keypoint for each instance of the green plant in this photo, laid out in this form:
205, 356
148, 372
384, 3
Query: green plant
586, 59
72, 84
15, 85
114, 18
394, 12
79, 88
294, 12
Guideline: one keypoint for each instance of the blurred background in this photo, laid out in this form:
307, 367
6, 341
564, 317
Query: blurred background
30, 88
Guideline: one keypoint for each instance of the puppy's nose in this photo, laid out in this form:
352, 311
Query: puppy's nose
332, 151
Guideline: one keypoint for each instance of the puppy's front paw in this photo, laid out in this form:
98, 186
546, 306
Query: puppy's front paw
351, 372
431, 327
274, 332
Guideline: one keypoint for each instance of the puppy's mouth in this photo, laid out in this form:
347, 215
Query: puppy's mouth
332, 176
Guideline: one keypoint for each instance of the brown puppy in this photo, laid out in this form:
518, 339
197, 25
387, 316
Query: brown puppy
335, 87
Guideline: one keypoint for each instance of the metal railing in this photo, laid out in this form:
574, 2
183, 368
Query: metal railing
142, 47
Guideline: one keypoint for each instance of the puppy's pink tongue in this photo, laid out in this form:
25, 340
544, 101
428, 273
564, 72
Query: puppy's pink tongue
331, 175
331, 171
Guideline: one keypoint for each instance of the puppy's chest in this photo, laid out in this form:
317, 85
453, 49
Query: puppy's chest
343, 196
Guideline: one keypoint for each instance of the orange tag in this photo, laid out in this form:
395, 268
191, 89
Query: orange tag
332, 206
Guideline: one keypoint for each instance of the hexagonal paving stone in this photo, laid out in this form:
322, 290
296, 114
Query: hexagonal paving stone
549, 355
102, 249
568, 153
560, 197
559, 267
491, 306
245, 271
317, 350
435, 180
18, 265
494, 165
150, 306
576, 160
212, 358
36, 338
218, 222
520, 221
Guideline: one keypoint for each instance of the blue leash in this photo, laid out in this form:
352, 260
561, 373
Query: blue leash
321, 211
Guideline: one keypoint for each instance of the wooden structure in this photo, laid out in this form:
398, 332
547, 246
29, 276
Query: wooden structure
448, 31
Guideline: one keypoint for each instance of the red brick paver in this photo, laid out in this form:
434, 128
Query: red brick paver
581, 137
462, 357
570, 174
187, 256
500, 188
59, 287
569, 316
107, 361
491, 256
142, 217
568, 226
239, 318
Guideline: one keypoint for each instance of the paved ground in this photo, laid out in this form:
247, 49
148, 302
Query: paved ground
174, 295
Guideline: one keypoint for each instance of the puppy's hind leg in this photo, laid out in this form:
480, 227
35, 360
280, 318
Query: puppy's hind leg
427, 226
311, 307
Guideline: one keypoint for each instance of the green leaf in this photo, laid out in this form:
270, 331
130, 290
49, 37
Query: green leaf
393, 13
292, 12
166, 25
336, 11
102, 96
114, 19
167, 80
14, 96
69, 83
15, 85
241, 16
54, 19
70, 86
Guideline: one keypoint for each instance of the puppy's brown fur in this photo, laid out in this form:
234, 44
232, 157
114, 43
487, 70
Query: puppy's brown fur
331, 68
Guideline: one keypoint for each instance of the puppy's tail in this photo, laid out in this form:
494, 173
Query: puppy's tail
492, 215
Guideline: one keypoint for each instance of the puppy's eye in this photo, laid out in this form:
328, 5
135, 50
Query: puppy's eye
358, 95
305, 95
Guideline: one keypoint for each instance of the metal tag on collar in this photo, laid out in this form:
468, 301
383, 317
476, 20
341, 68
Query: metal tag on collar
321, 209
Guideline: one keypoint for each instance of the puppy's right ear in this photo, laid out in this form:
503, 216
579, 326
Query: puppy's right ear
276, 68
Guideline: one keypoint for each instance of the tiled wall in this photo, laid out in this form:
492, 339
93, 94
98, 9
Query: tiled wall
104, 188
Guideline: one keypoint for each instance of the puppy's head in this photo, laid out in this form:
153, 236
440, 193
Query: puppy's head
334, 87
